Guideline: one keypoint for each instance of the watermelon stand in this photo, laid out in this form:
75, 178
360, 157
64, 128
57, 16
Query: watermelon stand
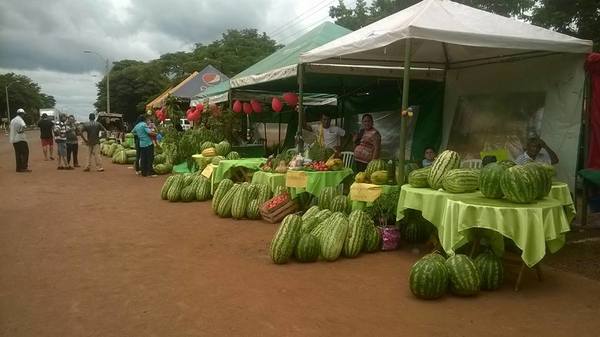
314, 181
363, 194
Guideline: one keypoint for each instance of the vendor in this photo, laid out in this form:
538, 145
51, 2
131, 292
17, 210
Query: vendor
326, 134
533, 152
368, 143
429, 156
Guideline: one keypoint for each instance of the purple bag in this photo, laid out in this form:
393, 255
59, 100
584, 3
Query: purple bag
390, 237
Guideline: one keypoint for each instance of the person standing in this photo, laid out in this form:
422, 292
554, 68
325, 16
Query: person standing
46, 125
92, 130
146, 147
328, 135
136, 140
72, 142
19, 141
60, 137
368, 143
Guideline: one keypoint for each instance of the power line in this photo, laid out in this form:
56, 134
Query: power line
286, 25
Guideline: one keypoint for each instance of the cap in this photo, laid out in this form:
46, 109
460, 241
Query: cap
20, 111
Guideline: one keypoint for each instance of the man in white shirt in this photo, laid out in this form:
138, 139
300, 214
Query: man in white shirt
533, 153
19, 141
327, 134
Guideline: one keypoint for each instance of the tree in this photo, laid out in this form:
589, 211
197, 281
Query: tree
23, 93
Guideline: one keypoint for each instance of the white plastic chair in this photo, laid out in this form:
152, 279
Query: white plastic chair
348, 158
471, 163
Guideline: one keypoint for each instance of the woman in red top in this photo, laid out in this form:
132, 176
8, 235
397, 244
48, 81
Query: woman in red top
368, 143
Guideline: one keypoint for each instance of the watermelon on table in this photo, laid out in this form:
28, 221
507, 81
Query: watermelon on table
232, 155
461, 180
418, 178
464, 277
223, 148
489, 181
379, 177
206, 145
518, 185
491, 270
446, 161
542, 180
428, 278
376, 165
286, 238
307, 249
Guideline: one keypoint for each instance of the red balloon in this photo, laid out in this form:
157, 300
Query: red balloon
247, 108
290, 98
276, 104
237, 106
199, 107
189, 112
256, 106
195, 115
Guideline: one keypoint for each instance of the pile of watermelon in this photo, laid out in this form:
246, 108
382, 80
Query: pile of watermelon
517, 183
186, 187
323, 234
240, 201
433, 275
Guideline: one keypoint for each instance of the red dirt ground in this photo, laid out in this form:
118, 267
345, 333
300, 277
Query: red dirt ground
99, 254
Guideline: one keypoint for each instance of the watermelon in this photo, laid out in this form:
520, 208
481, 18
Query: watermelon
376, 165
489, 181
428, 279
542, 181
340, 203
216, 160
223, 148
372, 241
518, 185
446, 161
240, 203
327, 194
203, 189
206, 145
464, 277
307, 249
279, 189
232, 155
461, 180
165, 168
165, 187
333, 238
286, 238
174, 192
436, 256
224, 209
323, 215
253, 209
311, 212
188, 193
223, 187
491, 270
550, 170
379, 177
355, 238
309, 224
264, 193
507, 163
416, 231
160, 159
418, 178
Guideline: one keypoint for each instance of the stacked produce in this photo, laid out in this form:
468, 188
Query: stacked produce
432, 275
516, 183
185, 187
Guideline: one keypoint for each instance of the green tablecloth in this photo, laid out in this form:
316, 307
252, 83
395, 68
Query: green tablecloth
360, 205
225, 165
268, 178
533, 227
590, 175
181, 168
317, 180
560, 191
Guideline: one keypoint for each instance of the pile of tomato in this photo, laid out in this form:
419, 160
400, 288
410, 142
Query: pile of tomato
318, 166
277, 201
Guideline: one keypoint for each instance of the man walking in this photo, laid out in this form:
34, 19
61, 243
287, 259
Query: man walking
19, 141
91, 136
46, 126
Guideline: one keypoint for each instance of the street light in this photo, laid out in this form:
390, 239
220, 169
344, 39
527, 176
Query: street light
107, 72
7, 105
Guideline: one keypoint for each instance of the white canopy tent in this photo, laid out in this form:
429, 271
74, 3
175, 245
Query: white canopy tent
481, 53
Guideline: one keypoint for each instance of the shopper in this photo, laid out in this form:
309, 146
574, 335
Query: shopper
46, 125
72, 142
91, 136
18, 139
60, 137
136, 140
146, 147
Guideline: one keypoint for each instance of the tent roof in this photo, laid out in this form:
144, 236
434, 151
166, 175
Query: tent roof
444, 33
282, 63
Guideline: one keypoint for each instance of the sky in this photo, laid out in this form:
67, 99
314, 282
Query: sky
45, 40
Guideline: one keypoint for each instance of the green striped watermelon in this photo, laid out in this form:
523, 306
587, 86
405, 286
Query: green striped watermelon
174, 192
489, 182
375, 165
224, 209
416, 230
491, 270
286, 238
418, 178
541, 179
436, 256
445, 162
223, 148
428, 278
323, 215
518, 185
309, 224
327, 194
188, 178
307, 249
464, 277
355, 239
232, 155
311, 212
165, 187
507, 163
223, 187
188, 193
203, 189
253, 209
264, 193
206, 145
372, 241
333, 238
279, 190
340, 203
240, 203
461, 180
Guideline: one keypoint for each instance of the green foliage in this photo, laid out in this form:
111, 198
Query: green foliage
383, 210
23, 93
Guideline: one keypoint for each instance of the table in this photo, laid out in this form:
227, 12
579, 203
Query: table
269, 178
363, 194
221, 172
533, 227
560, 191
317, 180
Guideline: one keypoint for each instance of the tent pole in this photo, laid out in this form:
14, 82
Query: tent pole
404, 118
299, 140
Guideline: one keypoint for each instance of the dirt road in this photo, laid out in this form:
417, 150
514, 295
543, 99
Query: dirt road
99, 254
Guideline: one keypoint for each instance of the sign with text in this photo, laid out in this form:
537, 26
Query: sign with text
208, 170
